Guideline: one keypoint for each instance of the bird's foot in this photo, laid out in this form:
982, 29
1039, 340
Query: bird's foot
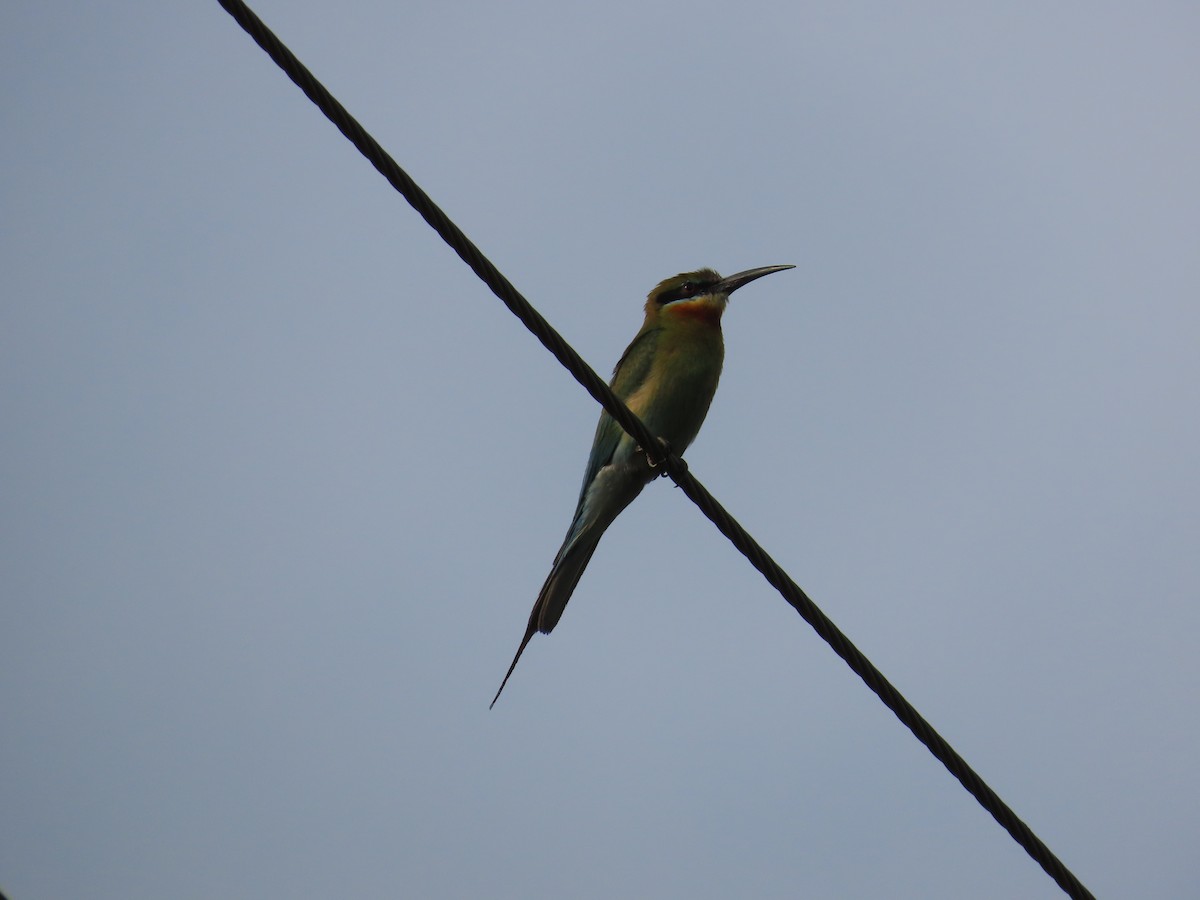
666, 452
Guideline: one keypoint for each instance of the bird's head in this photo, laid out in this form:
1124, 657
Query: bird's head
702, 294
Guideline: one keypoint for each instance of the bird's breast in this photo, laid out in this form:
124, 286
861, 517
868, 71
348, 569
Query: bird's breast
676, 395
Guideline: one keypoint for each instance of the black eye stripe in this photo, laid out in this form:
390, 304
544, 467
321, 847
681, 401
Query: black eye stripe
688, 289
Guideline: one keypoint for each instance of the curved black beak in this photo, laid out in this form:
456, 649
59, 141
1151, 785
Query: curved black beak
733, 282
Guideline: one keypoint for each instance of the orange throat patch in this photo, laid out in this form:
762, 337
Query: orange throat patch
704, 310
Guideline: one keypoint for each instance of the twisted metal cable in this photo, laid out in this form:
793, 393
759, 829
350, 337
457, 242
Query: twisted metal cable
440, 222
675, 467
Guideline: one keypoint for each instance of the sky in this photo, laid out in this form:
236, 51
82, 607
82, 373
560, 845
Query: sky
281, 479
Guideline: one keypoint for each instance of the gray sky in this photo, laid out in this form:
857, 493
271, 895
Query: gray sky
281, 479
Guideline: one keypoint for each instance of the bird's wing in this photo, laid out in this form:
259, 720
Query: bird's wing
632, 369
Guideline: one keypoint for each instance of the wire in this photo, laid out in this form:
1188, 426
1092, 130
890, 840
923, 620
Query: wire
675, 467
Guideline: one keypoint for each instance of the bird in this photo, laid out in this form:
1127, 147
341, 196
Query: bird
667, 376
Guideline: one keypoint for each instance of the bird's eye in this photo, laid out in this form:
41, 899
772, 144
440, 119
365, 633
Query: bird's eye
684, 291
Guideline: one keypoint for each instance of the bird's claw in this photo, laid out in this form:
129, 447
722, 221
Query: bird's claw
666, 452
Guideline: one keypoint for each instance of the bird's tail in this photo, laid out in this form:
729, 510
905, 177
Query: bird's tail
568, 568
563, 578
529, 632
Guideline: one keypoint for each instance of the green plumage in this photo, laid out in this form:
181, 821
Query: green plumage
667, 376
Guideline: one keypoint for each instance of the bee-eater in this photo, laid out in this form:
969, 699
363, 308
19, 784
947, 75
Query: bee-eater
667, 377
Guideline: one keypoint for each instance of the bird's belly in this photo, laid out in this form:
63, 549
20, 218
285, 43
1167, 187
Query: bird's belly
674, 405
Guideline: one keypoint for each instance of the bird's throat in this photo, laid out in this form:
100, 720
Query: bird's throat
706, 310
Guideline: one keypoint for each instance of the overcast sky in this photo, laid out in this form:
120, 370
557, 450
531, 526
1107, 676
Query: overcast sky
281, 479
